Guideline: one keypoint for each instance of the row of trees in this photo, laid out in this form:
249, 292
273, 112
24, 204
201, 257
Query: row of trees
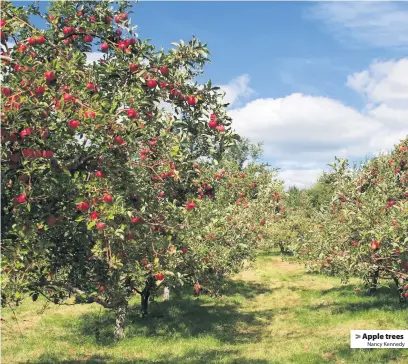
105, 194
353, 221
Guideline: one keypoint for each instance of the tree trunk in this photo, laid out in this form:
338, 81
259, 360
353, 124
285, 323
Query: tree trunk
145, 303
400, 289
120, 322
282, 248
150, 284
166, 294
374, 280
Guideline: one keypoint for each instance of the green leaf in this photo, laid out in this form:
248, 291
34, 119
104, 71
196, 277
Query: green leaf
175, 150
91, 225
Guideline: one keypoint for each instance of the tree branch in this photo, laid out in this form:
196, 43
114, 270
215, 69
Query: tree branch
77, 291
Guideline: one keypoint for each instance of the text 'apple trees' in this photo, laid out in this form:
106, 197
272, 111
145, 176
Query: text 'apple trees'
104, 193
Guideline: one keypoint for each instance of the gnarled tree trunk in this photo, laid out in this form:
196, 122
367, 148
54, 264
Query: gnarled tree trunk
119, 332
145, 295
166, 294
400, 288
374, 280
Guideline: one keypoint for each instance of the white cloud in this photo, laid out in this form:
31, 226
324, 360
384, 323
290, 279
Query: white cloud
304, 126
236, 89
302, 133
378, 24
92, 57
384, 83
301, 178
166, 106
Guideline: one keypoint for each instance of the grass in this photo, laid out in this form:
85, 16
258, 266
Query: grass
272, 313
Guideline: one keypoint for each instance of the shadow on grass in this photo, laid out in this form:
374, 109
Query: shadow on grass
382, 299
248, 290
347, 289
191, 357
180, 318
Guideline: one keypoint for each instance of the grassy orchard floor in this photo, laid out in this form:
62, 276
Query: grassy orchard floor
273, 313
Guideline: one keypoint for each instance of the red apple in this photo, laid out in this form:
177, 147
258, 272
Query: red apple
88, 38
108, 198
93, 215
151, 83
83, 206
212, 124
49, 75
47, 154
374, 245
184, 250
37, 154
104, 47
27, 153
133, 67
21, 198
118, 140
6, 91
191, 100
90, 114
67, 97
25, 132
100, 225
131, 113
68, 30
74, 123
121, 17
40, 39
190, 205
164, 71
159, 276
99, 174
90, 87
136, 220
40, 90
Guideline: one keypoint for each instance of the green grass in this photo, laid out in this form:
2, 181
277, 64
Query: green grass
272, 313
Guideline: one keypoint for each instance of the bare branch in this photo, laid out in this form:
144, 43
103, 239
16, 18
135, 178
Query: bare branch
77, 291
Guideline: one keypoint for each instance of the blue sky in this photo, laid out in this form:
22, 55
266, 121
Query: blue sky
310, 79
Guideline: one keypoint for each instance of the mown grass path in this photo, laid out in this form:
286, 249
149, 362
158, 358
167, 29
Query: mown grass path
272, 313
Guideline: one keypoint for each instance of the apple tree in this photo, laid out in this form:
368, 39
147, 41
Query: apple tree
363, 230
113, 177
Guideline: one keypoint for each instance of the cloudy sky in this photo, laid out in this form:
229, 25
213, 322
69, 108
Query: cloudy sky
312, 80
